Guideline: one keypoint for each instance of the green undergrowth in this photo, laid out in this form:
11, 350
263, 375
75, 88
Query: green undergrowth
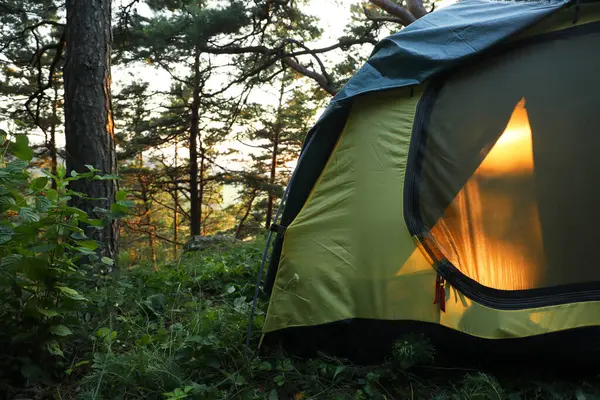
179, 333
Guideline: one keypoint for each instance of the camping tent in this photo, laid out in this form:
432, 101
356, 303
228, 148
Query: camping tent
451, 187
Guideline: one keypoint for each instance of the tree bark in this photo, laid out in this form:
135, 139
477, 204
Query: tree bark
416, 8
202, 184
89, 128
195, 209
175, 196
405, 16
274, 158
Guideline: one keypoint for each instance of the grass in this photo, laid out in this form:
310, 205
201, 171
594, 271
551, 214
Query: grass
179, 333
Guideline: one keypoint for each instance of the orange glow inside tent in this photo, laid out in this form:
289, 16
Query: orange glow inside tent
484, 232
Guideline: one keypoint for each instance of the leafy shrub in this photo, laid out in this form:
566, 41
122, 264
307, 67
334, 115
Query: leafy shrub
44, 255
413, 350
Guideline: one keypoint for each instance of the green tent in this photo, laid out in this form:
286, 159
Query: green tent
450, 188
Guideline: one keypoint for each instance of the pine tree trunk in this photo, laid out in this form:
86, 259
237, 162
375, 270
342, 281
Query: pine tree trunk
195, 209
175, 195
274, 158
201, 192
89, 126
148, 221
272, 176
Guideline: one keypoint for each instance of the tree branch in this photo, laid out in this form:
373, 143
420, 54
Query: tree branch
417, 8
375, 18
43, 87
273, 55
320, 79
404, 16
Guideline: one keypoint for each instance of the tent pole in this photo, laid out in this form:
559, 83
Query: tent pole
268, 245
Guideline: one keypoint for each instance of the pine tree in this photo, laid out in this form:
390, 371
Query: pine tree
89, 127
276, 135
32, 43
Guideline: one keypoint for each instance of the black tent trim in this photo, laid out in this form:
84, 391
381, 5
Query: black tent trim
371, 341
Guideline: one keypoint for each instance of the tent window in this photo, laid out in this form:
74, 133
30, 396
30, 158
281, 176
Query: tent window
509, 182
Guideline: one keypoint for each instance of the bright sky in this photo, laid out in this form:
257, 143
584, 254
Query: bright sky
333, 15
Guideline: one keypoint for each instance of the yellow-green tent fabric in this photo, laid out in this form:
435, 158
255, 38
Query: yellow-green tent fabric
451, 186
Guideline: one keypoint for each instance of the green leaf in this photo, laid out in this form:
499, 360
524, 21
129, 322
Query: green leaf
28, 214
102, 332
89, 244
43, 204
106, 334
97, 223
84, 251
54, 348
338, 371
81, 363
121, 195
20, 148
106, 177
279, 380
118, 209
78, 236
265, 366
5, 238
70, 293
44, 247
10, 260
61, 171
273, 395
47, 313
52, 195
92, 169
76, 211
74, 173
107, 261
39, 183
145, 340
60, 330
35, 269
16, 166
7, 201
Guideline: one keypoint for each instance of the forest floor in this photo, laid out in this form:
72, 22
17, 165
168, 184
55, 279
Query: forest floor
179, 332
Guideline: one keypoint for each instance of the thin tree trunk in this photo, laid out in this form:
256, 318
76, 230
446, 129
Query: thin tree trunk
195, 209
147, 217
148, 220
272, 176
274, 158
89, 128
53, 152
176, 214
201, 192
238, 231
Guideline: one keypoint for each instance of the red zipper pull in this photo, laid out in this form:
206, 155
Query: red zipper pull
440, 293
